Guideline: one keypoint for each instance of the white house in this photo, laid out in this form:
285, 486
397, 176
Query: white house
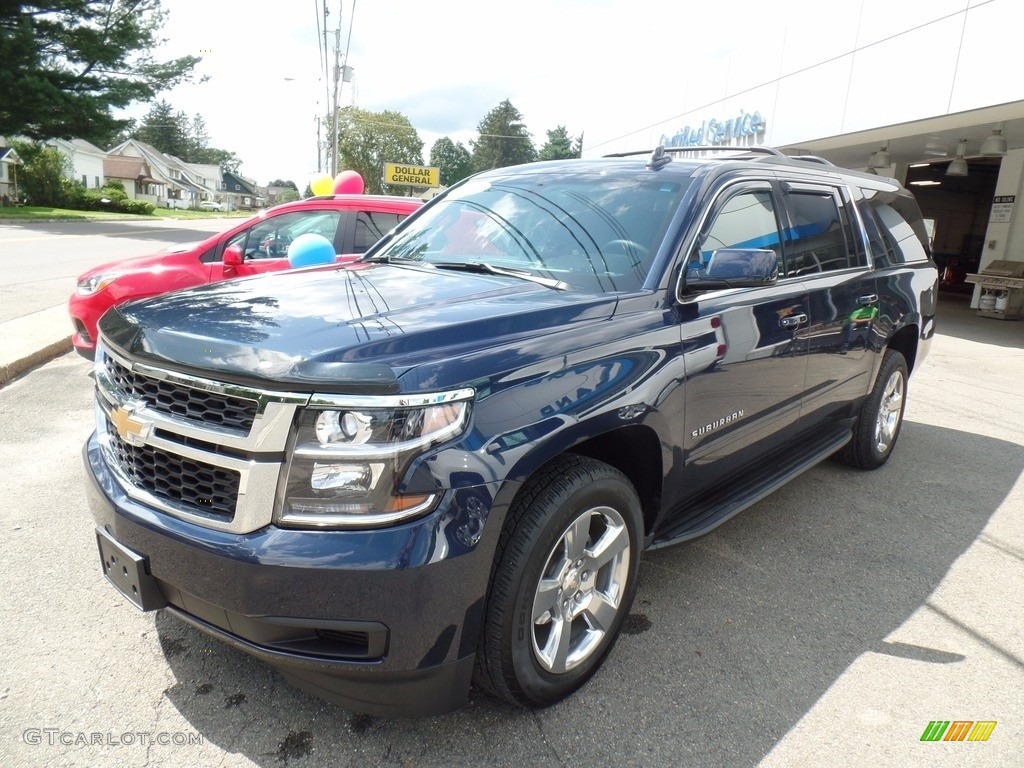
9, 162
176, 183
133, 173
86, 160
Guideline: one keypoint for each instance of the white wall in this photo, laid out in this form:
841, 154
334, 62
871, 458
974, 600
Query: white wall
869, 64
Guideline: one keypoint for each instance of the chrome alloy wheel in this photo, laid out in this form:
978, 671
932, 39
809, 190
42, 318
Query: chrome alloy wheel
580, 589
890, 411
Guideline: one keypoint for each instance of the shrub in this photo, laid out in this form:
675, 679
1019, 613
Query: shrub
71, 195
140, 207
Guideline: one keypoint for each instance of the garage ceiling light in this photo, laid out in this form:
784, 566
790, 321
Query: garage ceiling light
959, 166
994, 145
880, 159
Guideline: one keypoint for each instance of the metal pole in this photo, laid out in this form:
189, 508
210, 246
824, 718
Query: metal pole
319, 148
334, 100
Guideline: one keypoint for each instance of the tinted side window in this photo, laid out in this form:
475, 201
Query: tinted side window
900, 222
746, 220
883, 249
819, 238
371, 226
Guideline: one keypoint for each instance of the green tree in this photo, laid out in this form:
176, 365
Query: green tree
164, 129
286, 196
454, 160
367, 140
503, 140
559, 146
227, 160
42, 177
282, 183
67, 64
174, 133
577, 146
197, 138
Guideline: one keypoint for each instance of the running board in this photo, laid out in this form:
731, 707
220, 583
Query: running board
714, 508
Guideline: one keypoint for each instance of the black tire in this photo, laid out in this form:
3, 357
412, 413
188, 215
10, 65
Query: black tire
520, 658
881, 417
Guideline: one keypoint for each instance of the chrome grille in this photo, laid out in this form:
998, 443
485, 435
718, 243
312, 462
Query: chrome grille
181, 401
203, 489
198, 449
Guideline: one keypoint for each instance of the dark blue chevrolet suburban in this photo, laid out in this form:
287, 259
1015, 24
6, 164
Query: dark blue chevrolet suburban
440, 465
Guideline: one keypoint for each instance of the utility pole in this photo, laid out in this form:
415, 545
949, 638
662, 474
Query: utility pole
319, 148
334, 100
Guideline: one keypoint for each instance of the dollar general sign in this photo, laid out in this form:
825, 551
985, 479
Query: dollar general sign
415, 175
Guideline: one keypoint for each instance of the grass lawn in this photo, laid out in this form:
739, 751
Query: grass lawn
30, 213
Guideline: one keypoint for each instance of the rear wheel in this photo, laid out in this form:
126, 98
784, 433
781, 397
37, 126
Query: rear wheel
881, 416
565, 576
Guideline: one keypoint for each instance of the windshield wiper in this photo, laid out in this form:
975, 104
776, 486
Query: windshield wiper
387, 259
489, 269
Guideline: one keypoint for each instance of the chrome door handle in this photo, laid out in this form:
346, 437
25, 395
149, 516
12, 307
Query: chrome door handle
793, 321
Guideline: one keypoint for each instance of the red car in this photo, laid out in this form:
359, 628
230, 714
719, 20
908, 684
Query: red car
260, 244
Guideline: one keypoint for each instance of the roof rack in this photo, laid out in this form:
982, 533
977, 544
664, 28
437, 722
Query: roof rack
663, 149
662, 155
812, 159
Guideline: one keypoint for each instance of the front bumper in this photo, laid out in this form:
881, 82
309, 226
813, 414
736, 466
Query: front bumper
384, 621
84, 312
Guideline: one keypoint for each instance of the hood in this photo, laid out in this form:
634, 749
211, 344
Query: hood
355, 329
143, 263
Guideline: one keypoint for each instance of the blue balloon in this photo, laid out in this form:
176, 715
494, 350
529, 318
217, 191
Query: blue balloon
310, 249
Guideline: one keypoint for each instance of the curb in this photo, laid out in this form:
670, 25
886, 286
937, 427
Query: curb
28, 341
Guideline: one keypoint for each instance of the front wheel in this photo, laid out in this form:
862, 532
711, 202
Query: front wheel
565, 576
881, 417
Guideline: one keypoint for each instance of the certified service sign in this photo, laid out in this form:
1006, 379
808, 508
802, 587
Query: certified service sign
413, 175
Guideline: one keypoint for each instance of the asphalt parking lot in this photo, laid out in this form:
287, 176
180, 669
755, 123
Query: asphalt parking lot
827, 625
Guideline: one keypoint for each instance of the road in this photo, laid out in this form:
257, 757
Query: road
40, 261
826, 626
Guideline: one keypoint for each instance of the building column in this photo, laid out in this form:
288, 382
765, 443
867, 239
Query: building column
1004, 241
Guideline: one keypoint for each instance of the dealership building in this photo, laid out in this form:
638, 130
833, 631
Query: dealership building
927, 92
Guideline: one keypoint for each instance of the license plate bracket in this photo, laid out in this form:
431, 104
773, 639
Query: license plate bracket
128, 572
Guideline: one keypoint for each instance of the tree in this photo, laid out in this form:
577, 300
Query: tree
453, 159
577, 146
67, 64
559, 146
165, 130
42, 175
174, 133
282, 183
367, 140
503, 140
226, 159
198, 139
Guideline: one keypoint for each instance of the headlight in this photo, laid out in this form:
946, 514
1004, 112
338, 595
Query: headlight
351, 454
95, 283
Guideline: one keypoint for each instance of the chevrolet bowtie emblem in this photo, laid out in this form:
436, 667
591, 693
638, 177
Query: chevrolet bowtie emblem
130, 428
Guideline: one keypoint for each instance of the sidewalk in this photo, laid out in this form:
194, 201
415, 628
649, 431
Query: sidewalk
28, 341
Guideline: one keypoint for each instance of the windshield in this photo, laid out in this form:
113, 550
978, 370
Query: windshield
594, 232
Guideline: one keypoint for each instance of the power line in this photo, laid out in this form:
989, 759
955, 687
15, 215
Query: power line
319, 36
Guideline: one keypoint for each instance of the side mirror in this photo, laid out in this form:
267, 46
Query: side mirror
735, 268
232, 256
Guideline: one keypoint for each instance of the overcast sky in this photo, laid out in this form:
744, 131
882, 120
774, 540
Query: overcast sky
599, 67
